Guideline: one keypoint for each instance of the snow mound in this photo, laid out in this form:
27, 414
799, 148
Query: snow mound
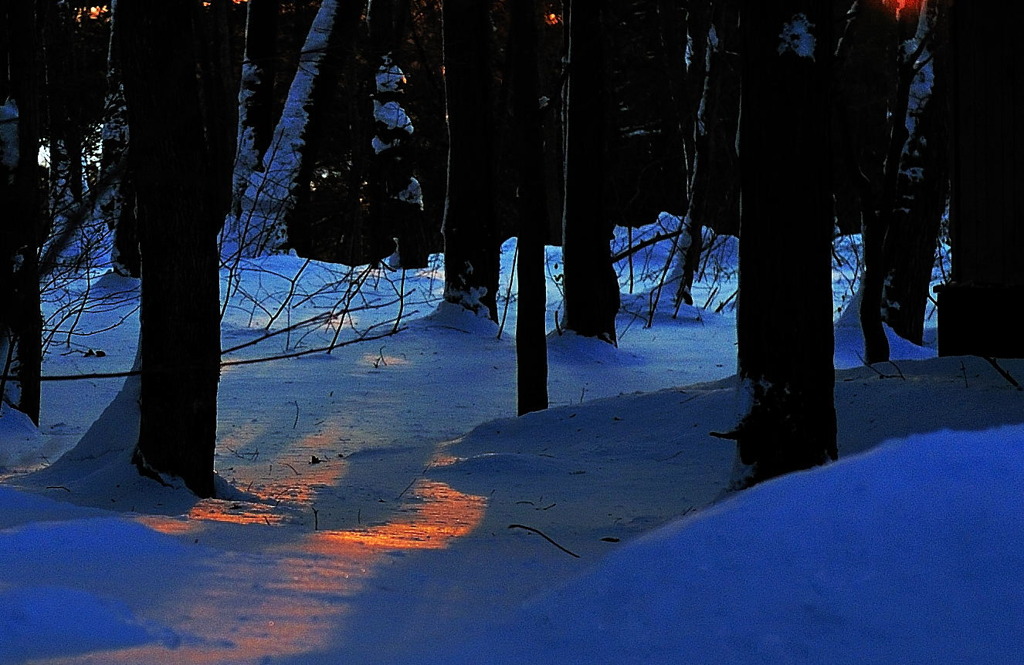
21, 438
41, 615
89, 545
111, 282
457, 318
54, 621
569, 345
838, 565
850, 340
503, 464
850, 347
21, 507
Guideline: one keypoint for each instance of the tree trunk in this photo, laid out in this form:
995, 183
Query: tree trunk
274, 199
978, 305
590, 285
255, 96
879, 197
696, 57
219, 96
21, 201
922, 193
784, 320
714, 200
65, 130
397, 199
471, 244
865, 82
645, 158
531, 340
117, 203
171, 167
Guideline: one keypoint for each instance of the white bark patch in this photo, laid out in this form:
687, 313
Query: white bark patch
392, 116
390, 76
380, 145
412, 194
796, 37
260, 229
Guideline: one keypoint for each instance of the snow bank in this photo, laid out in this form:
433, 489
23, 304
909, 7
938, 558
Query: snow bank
21, 439
908, 554
850, 339
54, 621
61, 581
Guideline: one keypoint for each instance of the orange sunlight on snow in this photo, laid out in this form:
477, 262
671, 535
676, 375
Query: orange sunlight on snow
237, 512
444, 515
292, 597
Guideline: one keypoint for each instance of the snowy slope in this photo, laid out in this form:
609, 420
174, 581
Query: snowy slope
394, 512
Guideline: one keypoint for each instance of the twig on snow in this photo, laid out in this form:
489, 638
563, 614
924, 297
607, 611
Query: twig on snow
544, 536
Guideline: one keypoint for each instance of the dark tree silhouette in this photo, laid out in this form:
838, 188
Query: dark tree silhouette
170, 166
256, 94
470, 234
893, 175
397, 202
645, 42
590, 285
219, 97
878, 216
531, 343
784, 320
715, 99
117, 202
978, 307
922, 191
61, 60
21, 206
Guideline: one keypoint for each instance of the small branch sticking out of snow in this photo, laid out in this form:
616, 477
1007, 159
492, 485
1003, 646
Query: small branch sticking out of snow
882, 375
1002, 372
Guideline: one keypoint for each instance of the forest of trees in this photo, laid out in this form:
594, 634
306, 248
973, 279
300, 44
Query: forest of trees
200, 133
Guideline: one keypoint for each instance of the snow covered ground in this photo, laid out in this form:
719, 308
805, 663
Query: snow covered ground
389, 508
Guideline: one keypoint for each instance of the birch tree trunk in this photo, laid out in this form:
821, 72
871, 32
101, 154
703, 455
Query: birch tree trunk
397, 196
272, 196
